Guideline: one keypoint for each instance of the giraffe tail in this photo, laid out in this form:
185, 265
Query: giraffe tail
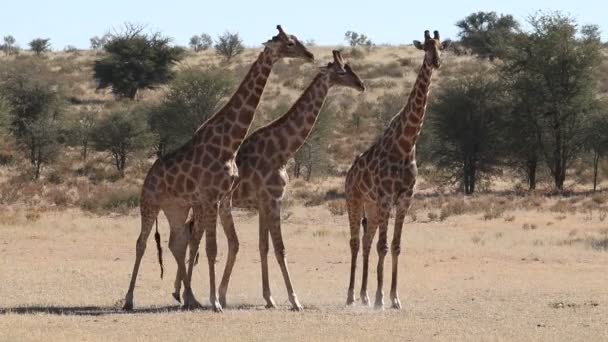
160, 250
364, 224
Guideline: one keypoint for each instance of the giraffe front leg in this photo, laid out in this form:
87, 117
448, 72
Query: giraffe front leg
274, 221
209, 219
233, 247
355, 212
368, 237
382, 249
403, 206
264, 248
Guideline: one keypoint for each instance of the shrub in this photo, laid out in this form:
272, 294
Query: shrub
229, 45
40, 46
117, 200
337, 207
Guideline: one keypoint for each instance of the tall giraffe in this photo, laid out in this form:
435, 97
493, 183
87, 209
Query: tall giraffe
202, 172
384, 176
262, 177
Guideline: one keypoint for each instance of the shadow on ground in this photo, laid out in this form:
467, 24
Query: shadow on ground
110, 310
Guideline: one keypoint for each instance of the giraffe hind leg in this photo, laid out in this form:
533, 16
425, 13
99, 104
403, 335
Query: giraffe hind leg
355, 212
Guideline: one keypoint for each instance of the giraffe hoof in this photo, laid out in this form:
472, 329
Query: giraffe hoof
297, 308
217, 307
350, 301
223, 301
379, 306
396, 304
177, 297
128, 307
270, 303
365, 300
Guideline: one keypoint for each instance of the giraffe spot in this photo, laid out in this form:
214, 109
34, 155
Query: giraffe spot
190, 185
270, 148
261, 82
238, 132
170, 179
179, 183
196, 172
174, 169
290, 129
387, 185
207, 159
311, 120
298, 121
214, 152
186, 167
265, 69
261, 146
231, 115
253, 101
410, 131
282, 142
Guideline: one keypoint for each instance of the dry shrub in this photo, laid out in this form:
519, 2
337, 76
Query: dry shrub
115, 200
337, 207
58, 197
493, 212
432, 216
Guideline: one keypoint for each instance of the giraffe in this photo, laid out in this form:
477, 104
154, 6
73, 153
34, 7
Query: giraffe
262, 176
201, 172
384, 176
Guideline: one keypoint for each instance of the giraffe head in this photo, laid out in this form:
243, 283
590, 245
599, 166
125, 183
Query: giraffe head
287, 45
341, 74
432, 48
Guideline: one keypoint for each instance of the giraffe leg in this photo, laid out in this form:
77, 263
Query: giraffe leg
194, 241
208, 217
264, 247
382, 249
178, 246
233, 247
274, 223
403, 205
368, 237
149, 214
355, 212
178, 275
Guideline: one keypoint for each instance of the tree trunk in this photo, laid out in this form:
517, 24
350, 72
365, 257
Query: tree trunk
596, 162
85, 146
469, 176
531, 166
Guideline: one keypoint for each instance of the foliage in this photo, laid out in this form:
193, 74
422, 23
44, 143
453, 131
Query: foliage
40, 45
312, 158
552, 70
9, 46
355, 39
201, 43
98, 43
121, 133
466, 124
194, 95
487, 34
596, 139
136, 60
34, 99
81, 128
229, 45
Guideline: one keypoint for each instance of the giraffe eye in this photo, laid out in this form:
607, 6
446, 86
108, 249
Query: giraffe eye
291, 43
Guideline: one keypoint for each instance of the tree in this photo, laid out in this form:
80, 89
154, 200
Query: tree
121, 133
229, 45
136, 61
596, 139
40, 46
201, 43
194, 95
312, 157
553, 69
355, 39
10, 45
487, 34
81, 130
35, 101
465, 120
98, 43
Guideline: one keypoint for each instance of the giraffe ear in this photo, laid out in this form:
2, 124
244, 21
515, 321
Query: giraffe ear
418, 45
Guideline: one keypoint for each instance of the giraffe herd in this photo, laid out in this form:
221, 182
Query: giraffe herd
219, 168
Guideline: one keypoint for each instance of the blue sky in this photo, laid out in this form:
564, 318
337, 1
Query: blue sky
398, 21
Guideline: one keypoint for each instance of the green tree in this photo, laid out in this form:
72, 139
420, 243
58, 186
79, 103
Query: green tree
596, 140
355, 39
81, 129
229, 45
487, 34
552, 69
193, 96
136, 60
312, 158
465, 120
201, 43
121, 134
36, 104
40, 46
10, 45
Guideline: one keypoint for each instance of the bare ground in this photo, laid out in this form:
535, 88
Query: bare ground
535, 276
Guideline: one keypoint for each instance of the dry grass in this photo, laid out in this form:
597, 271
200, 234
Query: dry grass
460, 279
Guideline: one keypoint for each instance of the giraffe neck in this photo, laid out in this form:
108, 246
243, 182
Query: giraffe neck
410, 119
293, 128
234, 119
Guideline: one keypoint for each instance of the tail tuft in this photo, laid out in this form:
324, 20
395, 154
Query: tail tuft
160, 250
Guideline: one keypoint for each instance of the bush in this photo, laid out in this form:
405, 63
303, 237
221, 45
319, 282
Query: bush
337, 207
118, 200
121, 133
201, 43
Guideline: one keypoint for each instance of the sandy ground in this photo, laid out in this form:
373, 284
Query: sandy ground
62, 278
